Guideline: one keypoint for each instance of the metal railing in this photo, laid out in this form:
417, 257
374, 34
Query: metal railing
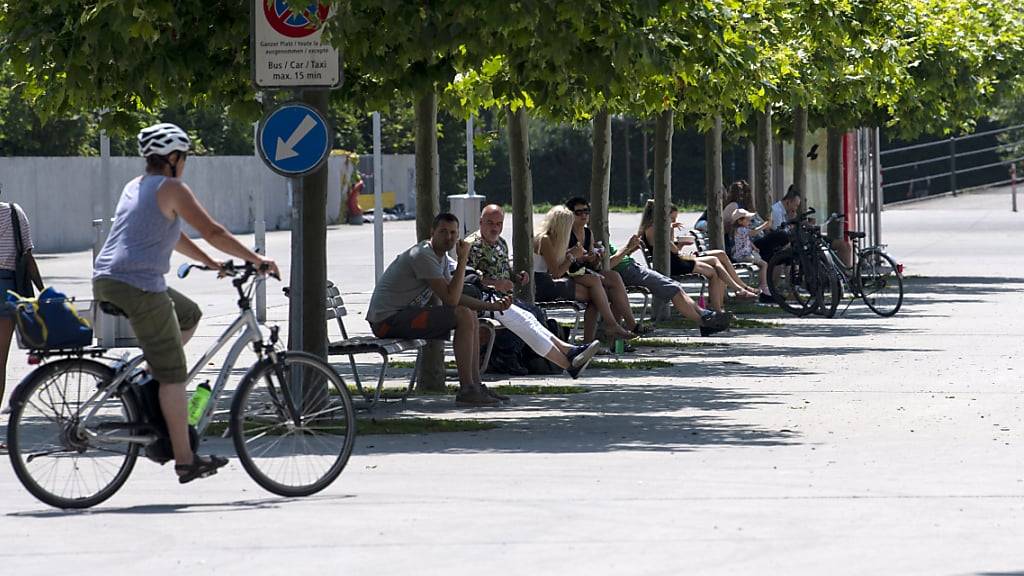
974, 167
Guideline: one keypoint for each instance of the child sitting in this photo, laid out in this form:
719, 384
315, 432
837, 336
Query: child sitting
743, 249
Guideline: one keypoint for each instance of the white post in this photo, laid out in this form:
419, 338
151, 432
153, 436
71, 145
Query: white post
259, 231
109, 198
378, 201
470, 172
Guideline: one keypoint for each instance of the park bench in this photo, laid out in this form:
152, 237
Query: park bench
747, 269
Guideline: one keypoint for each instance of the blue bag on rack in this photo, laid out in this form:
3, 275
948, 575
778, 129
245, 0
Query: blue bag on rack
49, 321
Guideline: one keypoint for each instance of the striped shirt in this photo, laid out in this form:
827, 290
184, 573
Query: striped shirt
8, 256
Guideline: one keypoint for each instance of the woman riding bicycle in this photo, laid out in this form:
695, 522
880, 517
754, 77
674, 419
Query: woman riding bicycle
129, 273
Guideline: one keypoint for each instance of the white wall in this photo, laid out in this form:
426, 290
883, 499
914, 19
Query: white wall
62, 195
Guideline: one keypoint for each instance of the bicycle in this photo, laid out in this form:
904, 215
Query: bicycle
800, 278
77, 424
873, 276
870, 277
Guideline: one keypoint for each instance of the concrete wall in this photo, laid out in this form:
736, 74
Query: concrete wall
61, 196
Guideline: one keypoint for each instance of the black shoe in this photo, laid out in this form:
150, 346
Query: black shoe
580, 357
201, 467
708, 330
713, 319
765, 298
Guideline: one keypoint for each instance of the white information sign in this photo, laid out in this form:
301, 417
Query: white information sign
286, 48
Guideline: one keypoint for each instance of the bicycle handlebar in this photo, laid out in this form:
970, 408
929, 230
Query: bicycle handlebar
228, 268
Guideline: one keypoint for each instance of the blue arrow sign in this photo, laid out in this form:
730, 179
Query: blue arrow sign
293, 139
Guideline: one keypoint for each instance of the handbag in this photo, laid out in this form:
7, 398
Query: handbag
22, 277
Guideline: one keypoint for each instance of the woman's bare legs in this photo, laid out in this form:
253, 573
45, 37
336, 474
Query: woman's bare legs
722, 271
594, 293
6, 333
723, 258
619, 298
716, 285
174, 405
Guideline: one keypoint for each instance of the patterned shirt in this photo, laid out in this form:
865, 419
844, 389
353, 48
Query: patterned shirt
490, 260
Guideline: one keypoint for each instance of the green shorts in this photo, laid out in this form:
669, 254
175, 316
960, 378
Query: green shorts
158, 318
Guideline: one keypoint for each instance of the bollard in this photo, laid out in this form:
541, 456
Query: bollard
1013, 185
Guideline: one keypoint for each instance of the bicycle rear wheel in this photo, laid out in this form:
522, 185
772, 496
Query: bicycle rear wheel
59, 462
286, 455
881, 283
787, 283
831, 287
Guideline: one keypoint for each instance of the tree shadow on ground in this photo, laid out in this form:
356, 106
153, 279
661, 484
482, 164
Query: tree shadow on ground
644, 418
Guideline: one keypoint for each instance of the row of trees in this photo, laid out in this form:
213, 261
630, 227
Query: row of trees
758, 69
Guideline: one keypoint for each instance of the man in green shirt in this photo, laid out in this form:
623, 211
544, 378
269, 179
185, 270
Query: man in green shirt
664, 288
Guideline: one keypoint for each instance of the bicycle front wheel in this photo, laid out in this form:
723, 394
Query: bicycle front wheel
787, 283
881, 283
293, 424
59, 461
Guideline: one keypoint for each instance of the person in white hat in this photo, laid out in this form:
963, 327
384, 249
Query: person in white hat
743, 249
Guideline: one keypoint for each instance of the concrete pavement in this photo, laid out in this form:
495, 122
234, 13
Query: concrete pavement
858, 445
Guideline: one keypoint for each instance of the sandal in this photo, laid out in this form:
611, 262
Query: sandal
642, 329
201, 467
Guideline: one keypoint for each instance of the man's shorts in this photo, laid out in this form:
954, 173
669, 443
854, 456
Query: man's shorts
662, 287
158, 319
433, 323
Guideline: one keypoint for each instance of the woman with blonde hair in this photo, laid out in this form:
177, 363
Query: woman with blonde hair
712, 264
552, 258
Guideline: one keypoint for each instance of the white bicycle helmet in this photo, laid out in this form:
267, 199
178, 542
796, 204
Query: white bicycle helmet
162, 139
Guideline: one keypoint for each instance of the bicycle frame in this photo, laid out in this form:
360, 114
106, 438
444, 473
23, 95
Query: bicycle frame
245, 328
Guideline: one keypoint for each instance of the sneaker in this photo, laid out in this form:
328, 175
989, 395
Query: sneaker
710, 330
765, 298
713, 319
477, 397
580, 356
494, 394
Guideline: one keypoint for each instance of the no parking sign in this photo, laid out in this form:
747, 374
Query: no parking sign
287, 50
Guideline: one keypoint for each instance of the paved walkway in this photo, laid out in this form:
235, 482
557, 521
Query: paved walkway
853, 446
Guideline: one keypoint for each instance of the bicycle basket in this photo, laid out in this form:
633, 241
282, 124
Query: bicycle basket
49, 322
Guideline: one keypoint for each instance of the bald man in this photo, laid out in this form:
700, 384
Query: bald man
488, 254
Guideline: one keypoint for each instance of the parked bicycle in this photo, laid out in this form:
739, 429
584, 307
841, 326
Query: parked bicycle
79, 421
873, 276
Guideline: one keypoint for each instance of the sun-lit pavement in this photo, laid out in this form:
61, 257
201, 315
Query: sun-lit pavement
858, 445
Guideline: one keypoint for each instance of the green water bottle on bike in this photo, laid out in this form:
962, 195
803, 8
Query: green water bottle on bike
197, 403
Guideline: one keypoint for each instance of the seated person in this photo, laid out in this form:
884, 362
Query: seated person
743, 249
488, 254
419, 296
593, 259
552, 258
783, 211
664, 288
710, 266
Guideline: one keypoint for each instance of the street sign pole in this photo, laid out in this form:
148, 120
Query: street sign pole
295, 278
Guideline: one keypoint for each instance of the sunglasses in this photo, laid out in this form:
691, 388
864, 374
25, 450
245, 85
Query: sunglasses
581, 211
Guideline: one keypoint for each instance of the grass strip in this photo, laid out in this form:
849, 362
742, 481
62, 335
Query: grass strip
738, 323
629, 364
669, 343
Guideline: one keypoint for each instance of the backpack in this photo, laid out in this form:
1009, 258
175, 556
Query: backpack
49, 321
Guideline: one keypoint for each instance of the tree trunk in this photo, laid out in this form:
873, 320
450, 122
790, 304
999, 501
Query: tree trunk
629, 163
752, 170
428, 205
600, 178
645, 188
522, 198
763, 152
799, 150
309, 277
662, 191
834, 175
714, 183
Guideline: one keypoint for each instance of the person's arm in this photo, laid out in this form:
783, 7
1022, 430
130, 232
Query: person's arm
175, 196
450, 291
26, 243
558, 264
631, 246
189, 248
477, 305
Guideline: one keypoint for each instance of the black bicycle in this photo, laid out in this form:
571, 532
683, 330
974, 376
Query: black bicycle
809, 277
800, 277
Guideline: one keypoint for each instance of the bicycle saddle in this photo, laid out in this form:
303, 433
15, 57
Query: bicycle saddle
856, 235
111, 309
